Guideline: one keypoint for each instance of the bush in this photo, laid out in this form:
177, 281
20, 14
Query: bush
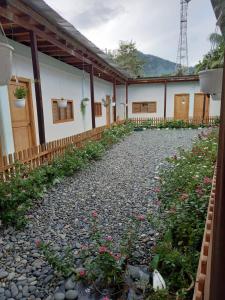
184, 196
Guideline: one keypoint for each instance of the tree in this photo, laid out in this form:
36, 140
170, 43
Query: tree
127, 57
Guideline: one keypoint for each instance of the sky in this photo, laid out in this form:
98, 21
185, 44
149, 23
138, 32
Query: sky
153, 25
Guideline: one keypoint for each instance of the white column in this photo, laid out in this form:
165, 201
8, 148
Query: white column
6, 133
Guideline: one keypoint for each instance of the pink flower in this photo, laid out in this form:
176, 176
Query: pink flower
184, 196
109, 238
94, 214
102, 250
82, 273
157, 190
199, 191
207, 180
141, 218
38, 243
117, 256
106, 298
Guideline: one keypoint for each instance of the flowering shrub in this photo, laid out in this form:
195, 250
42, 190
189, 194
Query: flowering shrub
184, 196
103, 265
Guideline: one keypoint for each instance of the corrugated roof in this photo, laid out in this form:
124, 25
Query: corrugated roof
42, 8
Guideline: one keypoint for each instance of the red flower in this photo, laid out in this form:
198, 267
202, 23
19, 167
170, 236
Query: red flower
38, 243
102, 250
207, 180
141, 218
157, 190
94, 214
82, 273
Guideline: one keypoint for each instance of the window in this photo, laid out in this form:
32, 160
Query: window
61, 115
144, 107
98, 109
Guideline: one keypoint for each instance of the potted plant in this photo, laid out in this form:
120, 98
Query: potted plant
20, 94
62, 103
83, 104
210, 69
5, 63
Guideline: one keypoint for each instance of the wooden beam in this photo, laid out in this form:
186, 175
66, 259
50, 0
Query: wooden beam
114, 100
92, 92
165, 98
16, 7
217, 286
37, 83
126, 86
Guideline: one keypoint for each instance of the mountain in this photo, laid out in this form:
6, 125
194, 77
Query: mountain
156, 66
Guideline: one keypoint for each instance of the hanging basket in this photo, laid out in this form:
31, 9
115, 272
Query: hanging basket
62, 103
20, 103
211, 82
6, 52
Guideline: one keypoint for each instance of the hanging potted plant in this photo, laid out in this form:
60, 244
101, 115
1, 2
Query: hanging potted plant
83, 105
210, 69
6, 55
20, 94
62, 103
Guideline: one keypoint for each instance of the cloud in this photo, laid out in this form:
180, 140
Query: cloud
153, 25
97, 13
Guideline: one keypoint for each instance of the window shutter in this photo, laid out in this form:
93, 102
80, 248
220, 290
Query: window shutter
152, 107
55, 111
136, 108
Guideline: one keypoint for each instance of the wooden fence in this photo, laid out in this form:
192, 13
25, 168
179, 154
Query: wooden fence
44, 154
156, 121
202, 283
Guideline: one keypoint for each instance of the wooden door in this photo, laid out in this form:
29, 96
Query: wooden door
181, 107
201, 107
108, 111
22, 118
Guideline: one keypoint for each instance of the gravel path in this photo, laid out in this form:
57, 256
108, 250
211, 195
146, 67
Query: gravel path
118, 186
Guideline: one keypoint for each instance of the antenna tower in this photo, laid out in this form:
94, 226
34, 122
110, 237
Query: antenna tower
182, 53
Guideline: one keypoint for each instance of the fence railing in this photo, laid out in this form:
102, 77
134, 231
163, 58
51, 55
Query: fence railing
202, 283
44, 154
157, 121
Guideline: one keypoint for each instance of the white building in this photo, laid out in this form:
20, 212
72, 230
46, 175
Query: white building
52, 60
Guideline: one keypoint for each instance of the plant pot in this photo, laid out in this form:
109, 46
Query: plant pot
20, 103
85, 103
62, 103
5, 63
211, 82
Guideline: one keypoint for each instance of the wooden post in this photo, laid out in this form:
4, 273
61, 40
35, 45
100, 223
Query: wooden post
37, 83
126, 100
217, 286
92, 91
165, 98
114, 100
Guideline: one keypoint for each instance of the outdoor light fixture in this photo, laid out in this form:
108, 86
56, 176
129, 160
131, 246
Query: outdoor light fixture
183, 100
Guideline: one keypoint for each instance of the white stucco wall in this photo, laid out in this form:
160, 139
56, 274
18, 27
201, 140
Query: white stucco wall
59, 80
155, 92
121, 101
146, 92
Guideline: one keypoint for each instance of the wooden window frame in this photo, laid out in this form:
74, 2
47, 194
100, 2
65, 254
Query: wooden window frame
59, 112
95, 105
144, 112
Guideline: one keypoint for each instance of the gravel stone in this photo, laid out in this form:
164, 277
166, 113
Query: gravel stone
71, 294
118, 186
59, 296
